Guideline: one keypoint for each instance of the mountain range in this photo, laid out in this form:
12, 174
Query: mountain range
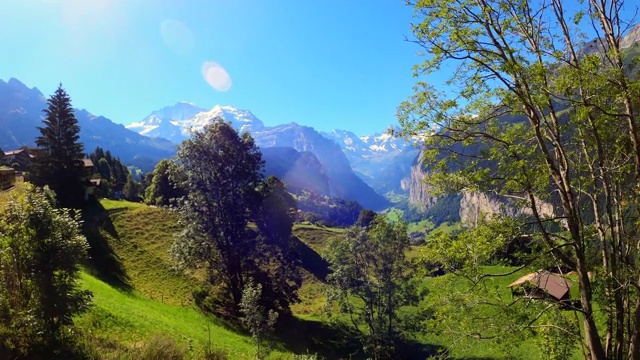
332, 164
21, 113
338, 179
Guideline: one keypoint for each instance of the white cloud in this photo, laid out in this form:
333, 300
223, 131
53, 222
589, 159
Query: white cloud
177, 36
216, 76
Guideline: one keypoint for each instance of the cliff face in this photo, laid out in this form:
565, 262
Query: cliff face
420, 194
473, 205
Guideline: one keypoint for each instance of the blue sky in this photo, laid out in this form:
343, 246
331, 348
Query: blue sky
327, 64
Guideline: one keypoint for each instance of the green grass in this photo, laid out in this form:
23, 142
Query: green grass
449, 228
144, 237
6, 195
147, 297
423, 226
394, 214
316, 237
128, 318
125, 315
110, 204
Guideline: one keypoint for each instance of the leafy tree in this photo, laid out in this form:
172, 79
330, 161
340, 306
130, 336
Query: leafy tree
130, 189
222, 179
163, 190
365, 218
59, 161
372, 279
255, 317
113, 173
273, 218
104, 169
535, 115
41, 249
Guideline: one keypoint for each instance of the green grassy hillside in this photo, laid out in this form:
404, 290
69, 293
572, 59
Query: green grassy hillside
138, 295
142, 304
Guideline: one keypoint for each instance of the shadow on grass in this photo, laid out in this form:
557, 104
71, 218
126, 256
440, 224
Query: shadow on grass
331, 341
315, 337
103, 262
311, 260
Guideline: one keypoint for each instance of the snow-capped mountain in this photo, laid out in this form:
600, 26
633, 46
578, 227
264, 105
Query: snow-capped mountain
177, 122
374, 147
241, 120
381, 160
343, 182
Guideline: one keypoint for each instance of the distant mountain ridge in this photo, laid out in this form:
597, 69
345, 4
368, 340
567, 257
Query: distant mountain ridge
381, 160
21, 113
156, 136
177, 122
342, 181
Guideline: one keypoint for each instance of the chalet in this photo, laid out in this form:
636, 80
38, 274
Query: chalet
542, 285
23, 157
90, 183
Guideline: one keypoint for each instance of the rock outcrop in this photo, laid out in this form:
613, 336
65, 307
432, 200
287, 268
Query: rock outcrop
473, 205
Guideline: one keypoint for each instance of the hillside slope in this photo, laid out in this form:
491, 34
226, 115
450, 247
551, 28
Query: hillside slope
138, 295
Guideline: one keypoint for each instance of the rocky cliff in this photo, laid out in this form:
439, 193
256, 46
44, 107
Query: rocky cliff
420, 193
472, 205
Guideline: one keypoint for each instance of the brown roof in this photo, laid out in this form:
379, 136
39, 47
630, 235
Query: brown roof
87, 162
554, 284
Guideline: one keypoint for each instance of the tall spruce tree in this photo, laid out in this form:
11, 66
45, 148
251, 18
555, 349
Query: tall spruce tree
59, 162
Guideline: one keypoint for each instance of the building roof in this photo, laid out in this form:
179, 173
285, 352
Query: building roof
14, 152
87, 162
554, 284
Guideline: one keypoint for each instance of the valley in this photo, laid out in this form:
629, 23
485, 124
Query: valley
294, 180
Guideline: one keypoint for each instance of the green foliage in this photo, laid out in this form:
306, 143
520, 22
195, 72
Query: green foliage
130, 190
366, 218
113, 173
557, 337
41, 249
372, 280
58, 163
255, 317
329, 211
162, 190
532, 115
222, 178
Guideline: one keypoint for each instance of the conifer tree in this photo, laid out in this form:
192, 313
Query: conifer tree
59, 162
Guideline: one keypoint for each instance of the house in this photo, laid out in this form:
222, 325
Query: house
23, 157
90, 183
87, 168
541, 285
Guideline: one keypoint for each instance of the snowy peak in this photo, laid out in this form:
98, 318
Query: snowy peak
369, 145
165, 122
177, 122
347, 140
241, 120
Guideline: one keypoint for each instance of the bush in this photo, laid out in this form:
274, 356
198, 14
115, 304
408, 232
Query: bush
161, 347
41, 249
